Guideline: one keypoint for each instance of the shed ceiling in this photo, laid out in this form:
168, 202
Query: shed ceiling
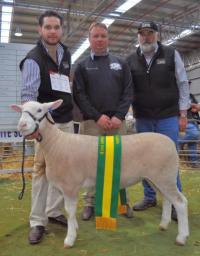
172, 16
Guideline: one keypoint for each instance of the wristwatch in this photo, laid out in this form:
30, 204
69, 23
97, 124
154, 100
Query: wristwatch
184, 115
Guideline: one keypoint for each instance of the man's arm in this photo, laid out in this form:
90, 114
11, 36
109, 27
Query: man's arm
184, 92
81, 97
30, 84
126, 98
30, 81
83, 102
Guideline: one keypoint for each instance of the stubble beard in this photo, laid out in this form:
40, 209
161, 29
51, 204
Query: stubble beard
47, 42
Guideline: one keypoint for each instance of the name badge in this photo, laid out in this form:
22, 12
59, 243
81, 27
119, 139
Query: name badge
60, 83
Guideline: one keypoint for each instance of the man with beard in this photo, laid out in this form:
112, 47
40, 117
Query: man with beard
161, 95
45, 78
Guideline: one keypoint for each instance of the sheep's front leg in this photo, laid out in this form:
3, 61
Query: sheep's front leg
70, 207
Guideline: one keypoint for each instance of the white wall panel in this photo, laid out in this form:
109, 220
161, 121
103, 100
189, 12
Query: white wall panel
10, 84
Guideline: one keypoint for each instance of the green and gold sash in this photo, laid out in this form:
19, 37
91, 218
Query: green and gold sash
108, 181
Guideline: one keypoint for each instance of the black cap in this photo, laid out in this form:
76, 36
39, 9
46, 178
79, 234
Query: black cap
148, 24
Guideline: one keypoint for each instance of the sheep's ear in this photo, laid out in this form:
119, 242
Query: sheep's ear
17, 108
54, 104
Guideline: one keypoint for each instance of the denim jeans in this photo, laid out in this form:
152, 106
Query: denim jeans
167, 126
191, 134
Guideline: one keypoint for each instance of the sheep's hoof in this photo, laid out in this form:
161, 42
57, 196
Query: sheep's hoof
69, 242
67, 246
180, 243
163, 227
180, 240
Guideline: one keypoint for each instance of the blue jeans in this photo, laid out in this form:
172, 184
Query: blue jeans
191, 134
167, 126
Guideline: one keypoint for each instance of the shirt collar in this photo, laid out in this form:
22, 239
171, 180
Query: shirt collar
92, 54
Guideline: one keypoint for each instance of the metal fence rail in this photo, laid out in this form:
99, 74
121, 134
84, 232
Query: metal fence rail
186, 154
11, 156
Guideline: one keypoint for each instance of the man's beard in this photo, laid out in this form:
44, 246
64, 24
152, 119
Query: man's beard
47, 42
148, 47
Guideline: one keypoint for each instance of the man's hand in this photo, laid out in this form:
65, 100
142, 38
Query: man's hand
182, 123
116, 122
195, 107
104, 122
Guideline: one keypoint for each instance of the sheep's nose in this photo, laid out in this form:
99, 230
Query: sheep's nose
22, 125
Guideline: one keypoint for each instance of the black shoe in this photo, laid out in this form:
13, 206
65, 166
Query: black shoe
129, 213
88, 212
61, 220
35, 235
174, 214
144, 204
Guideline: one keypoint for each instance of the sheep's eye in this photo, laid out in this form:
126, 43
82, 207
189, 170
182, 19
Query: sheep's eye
39, 110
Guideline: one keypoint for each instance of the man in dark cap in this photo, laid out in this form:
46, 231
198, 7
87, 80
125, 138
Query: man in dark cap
148, 25
161, 94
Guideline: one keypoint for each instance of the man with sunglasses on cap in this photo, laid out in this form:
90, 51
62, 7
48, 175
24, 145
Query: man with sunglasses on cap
161, 94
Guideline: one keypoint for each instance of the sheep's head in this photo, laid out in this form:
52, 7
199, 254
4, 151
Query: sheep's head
32, 113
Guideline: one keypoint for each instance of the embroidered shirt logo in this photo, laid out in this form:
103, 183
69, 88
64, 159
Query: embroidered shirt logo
92, 68
115, 66
160, 61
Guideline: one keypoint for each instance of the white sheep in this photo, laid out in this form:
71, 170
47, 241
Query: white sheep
71, 162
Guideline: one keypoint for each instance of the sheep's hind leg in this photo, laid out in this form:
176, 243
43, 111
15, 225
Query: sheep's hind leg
166, 214
70, 207
182, 214
178, 200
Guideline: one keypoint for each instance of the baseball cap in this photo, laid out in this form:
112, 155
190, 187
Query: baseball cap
148, 24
